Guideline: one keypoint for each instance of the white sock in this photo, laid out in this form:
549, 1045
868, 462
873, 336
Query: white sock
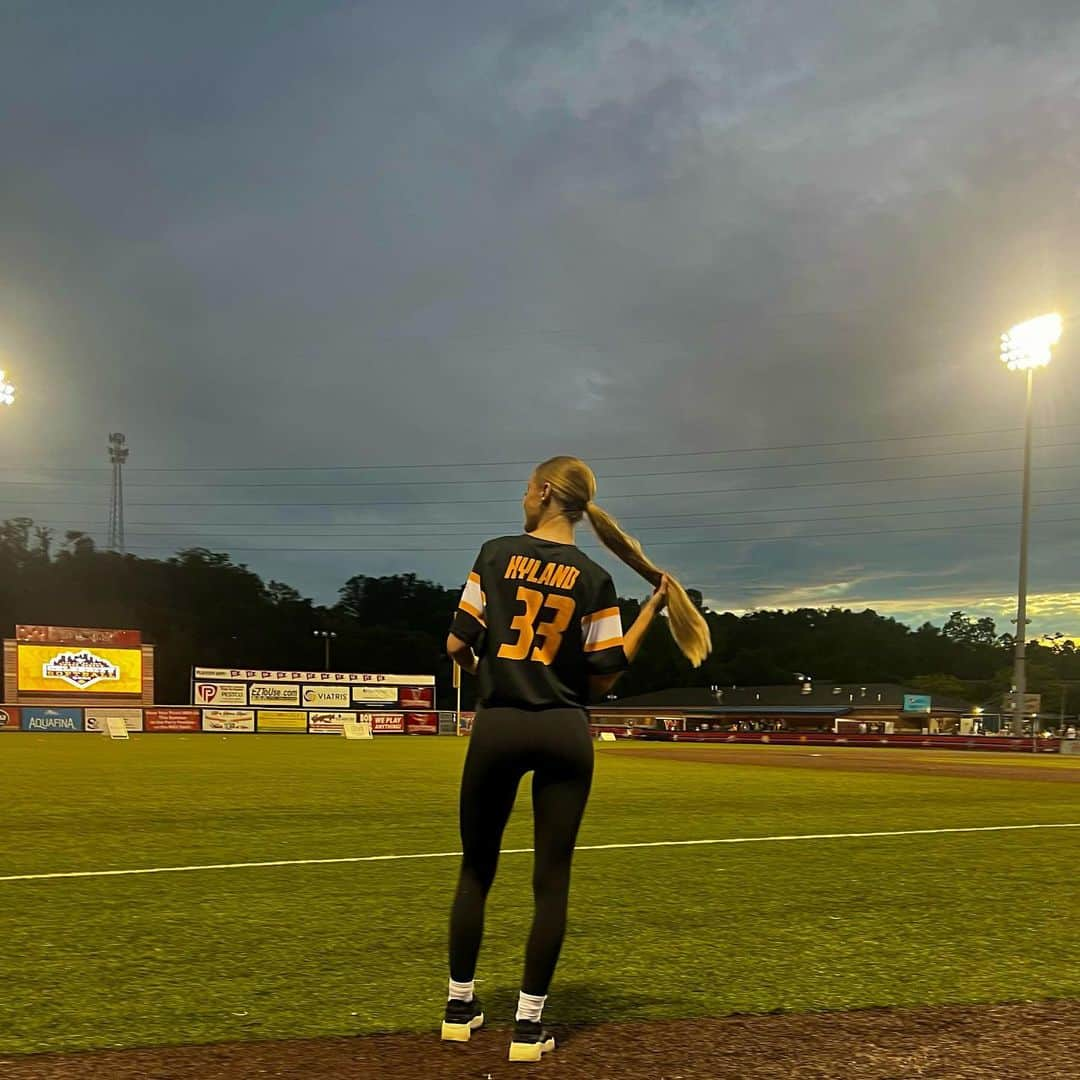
530, 1006
461, 991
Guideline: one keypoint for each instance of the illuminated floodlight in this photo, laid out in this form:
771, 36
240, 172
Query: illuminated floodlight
1027, 345
7, 391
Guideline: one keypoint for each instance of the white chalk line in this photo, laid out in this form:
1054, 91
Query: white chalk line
526, 851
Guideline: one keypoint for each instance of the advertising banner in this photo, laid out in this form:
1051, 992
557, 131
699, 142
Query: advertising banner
417, 697
97, 719
75, 669
385, 723
375, 695
171, 720
917, 703
269, 694
34, 719
328, 723
300, 676
213, 693
9, 718
422, 723
275, 721
232, 720
76, 635
325, 697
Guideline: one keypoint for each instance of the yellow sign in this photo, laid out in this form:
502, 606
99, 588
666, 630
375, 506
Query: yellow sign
77, 669
280, 721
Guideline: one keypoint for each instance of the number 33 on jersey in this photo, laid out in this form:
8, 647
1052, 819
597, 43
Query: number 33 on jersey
542, 618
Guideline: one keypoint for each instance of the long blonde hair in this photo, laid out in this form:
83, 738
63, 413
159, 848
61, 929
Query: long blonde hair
574, 485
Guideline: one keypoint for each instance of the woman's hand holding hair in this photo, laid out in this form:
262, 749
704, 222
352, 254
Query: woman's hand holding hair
659, 596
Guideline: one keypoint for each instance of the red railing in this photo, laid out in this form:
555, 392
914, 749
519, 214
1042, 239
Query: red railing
824, 738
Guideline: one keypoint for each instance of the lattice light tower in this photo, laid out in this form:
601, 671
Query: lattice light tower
118, 455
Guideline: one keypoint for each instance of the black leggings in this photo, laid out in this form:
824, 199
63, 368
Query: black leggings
505, 744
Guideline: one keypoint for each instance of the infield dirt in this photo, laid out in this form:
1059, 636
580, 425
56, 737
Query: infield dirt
993, 1042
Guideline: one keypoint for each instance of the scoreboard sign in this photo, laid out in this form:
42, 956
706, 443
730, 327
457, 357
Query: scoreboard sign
79, 669
77, 635
77, 665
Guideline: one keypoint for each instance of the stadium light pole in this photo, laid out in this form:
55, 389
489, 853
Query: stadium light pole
326, 635
1055, 640
7, 391
1026, 347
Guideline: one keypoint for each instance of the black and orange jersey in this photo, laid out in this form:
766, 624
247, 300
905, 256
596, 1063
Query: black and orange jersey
542, 617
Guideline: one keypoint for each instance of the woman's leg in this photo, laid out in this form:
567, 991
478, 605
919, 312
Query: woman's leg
561, 786
489, 783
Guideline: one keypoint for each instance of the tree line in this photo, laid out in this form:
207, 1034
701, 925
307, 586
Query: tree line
199, 607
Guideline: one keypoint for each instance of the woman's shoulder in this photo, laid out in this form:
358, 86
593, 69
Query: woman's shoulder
497, 543
496, 547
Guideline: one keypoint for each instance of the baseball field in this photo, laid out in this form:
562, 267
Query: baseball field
177, 890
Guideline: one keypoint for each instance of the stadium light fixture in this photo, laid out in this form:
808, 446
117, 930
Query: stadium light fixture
327, 636
1026, 347
7, 391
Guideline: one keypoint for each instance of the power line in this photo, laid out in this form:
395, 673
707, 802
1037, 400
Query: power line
608, 498
659, 543
532, 461
848, 506
516, 480
612, 476
640, 532
429, 523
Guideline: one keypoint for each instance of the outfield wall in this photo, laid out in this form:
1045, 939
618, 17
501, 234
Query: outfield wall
296, 689
193, 720
1014, 743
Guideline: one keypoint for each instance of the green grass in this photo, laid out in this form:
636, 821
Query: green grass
655, 932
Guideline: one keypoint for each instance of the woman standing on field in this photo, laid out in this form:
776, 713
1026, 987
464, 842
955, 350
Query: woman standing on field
539, 624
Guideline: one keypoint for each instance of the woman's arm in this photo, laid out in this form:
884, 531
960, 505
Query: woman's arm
462, 654
599, 685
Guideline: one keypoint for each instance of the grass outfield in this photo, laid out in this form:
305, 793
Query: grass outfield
655, 932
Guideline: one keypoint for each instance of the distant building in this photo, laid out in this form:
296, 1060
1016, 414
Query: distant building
798, 707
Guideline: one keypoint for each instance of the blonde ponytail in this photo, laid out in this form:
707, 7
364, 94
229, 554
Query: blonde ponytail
574, 485
688, 625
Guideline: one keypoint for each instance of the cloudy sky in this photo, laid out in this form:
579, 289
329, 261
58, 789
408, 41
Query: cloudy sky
341, 271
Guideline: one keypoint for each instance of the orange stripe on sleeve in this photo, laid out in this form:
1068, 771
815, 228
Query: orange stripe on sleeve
470, 610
